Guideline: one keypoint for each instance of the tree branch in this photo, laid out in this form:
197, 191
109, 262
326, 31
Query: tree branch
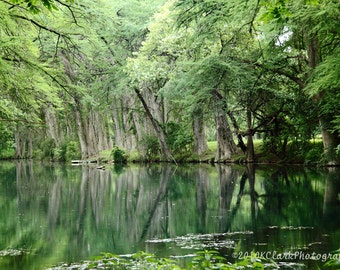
39, 25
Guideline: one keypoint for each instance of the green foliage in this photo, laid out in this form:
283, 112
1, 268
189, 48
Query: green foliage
47, 148
208, 259
150, 146
118, 155
179, 138
254, 54
337, 150
203, 260
35, 6
314, 155
72, 151
334, 262
6, 139
67, 151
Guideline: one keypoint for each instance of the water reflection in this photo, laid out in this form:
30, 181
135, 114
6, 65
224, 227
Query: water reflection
61, 213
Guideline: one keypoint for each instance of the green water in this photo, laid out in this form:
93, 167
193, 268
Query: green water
57, 213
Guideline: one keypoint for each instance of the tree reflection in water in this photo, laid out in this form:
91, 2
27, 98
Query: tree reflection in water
70, 213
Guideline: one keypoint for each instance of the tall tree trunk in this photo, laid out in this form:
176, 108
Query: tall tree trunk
20, 142
128, 124
118, 129
80, 132
124, 120
330, 139
225, 143
29, 143
102, 132
237, 131
52, 123
224, 137
250, 153
159, 131
91, 134
200, 141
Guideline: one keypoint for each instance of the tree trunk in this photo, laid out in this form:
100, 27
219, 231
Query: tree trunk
200, 141
91, 135
80, 132
330, 139
53, 130
118, 129
250, 153
225, 143
159, 131
128, 124
237, 131
29, 143
20, 143
104, 141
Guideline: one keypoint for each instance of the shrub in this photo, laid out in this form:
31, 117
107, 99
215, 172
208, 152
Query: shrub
118, 155
179, 138
72, 151
47, 149
150, 146
67, 151
313, 155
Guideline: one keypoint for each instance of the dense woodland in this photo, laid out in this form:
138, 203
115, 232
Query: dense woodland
163, 78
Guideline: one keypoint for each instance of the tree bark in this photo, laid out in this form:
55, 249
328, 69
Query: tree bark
200, 141
52, 123
225, 143
159, 131
118, 129
80, 132
91, 135
237, 131
250, 153
330, 139
20, 143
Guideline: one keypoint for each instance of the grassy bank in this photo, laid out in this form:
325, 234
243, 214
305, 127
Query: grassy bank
310, 153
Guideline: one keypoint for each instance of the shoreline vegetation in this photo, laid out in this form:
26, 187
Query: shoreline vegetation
207, 259
310, 155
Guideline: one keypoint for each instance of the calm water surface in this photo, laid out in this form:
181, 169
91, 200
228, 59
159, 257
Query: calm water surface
58, 213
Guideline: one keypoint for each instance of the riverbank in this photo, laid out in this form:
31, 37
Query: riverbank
309, 154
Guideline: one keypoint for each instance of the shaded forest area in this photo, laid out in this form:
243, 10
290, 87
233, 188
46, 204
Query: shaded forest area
159, 80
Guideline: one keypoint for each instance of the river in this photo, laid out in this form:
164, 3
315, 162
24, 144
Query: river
55, 213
